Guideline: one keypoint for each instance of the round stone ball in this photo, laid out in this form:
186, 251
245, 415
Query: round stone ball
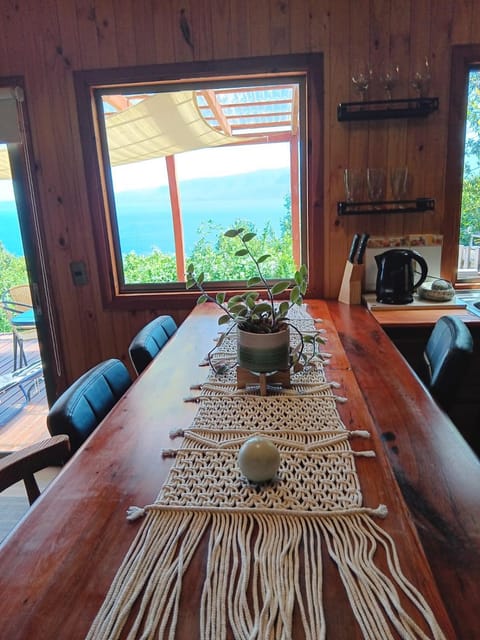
258, 459
441, 285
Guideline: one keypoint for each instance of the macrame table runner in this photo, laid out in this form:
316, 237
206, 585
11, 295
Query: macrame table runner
264, 562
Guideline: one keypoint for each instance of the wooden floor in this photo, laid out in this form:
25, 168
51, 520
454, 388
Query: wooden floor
21, 423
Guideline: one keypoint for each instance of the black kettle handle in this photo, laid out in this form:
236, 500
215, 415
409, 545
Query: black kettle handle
423, 266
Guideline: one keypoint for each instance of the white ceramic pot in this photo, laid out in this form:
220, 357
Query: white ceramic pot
264, 352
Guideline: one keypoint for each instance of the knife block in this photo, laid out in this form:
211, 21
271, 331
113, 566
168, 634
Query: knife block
351, 288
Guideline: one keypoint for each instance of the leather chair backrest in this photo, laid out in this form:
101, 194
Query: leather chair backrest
150, 340
81, 408
447, 355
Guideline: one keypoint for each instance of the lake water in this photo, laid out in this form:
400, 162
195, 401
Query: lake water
9, 229
144, 228
145, 219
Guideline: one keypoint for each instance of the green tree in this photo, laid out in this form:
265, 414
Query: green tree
13, 271
215, 255
156, 267
470, 210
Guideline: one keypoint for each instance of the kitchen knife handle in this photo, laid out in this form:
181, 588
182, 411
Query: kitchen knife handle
353, 247
362, 247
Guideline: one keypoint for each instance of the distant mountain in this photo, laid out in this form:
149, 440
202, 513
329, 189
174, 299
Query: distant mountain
145, 214
266, 184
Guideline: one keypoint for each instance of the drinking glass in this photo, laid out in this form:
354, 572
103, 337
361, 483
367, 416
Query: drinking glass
376, 182
354, 184
361, 79
388, 78
398, 182
421, 79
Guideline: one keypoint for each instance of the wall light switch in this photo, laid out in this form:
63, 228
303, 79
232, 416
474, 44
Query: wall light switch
79, 273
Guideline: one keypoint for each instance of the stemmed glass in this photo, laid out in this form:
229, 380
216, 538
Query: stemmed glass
361, 80
388, 78
421, 79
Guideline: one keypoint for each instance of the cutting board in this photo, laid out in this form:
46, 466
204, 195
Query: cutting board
370, 299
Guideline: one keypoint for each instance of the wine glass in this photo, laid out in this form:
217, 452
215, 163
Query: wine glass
421, 79
388, 78
361, 79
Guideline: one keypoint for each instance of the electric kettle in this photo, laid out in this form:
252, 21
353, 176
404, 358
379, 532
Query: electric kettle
395, 275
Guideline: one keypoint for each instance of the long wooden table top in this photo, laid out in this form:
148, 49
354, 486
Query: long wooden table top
438, 473
58, 564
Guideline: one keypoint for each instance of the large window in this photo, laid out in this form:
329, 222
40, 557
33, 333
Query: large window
462, 197
180, 161
469, 241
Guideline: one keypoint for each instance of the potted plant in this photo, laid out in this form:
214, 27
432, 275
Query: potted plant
263, 343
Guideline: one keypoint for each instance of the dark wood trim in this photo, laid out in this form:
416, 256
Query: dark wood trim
463, 57
24, 179
106, 241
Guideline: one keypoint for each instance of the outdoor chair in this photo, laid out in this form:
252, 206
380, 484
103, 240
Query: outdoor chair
16, 301
27, 378
150, 340
81, 408
21, 465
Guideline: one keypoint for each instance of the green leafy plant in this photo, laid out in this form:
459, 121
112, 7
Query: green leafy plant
248, 310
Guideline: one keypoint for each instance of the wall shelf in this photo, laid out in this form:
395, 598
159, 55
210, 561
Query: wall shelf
386, 109
418, 205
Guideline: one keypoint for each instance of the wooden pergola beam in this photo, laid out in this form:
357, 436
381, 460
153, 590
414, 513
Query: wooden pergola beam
176, 217
216, 108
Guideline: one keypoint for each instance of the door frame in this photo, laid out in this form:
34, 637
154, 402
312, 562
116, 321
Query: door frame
27, 202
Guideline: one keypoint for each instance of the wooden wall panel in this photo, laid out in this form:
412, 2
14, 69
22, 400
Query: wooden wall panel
399, 44
46, 42
336, 140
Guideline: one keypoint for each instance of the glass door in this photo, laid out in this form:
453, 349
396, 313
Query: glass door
27, 358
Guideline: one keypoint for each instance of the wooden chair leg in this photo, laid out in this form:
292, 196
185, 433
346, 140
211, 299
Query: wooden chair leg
31, 487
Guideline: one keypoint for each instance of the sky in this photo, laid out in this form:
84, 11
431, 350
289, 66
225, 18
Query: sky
204, 163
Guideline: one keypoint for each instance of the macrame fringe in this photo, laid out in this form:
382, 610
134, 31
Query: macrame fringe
259, 555
263, 574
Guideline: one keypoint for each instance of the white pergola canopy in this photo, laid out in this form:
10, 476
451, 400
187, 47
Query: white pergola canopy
167, 123
163, 124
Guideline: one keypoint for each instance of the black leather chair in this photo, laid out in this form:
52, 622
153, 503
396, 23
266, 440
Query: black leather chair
447, 355
81, 408
150, 340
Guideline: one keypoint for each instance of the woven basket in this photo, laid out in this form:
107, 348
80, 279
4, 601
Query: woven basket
440, 295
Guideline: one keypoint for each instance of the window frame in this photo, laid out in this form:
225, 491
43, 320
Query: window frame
99, 180
464, 59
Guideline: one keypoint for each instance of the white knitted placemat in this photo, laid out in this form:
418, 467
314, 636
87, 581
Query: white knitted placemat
264, 543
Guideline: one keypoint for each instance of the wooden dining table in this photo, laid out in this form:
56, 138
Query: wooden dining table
56, 567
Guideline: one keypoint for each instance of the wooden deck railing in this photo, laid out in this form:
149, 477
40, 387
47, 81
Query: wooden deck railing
21, 423
468, 258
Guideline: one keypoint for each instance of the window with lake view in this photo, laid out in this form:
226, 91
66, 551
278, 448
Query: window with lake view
176, 154
182, 166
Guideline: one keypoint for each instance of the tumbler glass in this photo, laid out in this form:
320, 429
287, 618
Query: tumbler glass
398, 182
376, 183
354, 185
